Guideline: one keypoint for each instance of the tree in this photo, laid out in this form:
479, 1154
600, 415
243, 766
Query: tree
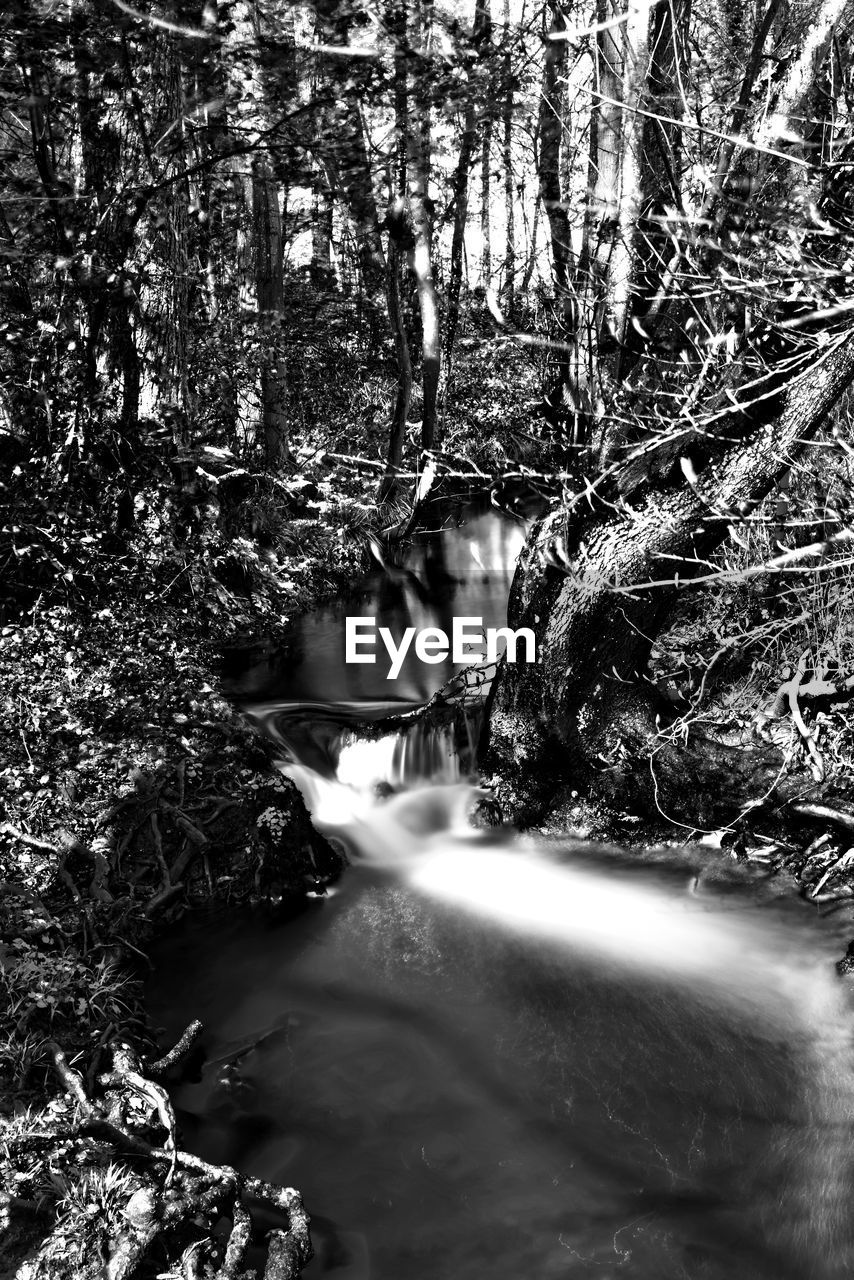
262, 397
667, 469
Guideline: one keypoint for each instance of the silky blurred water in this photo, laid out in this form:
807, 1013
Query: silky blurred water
498, 1060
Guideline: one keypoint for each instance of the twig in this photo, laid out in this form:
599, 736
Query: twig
817, 764
841, 863
177, 1053
7, 829
158, 850
72, 1080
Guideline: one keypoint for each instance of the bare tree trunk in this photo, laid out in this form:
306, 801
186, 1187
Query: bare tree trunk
485, 210
262, 382
799, 83
660, 168
403, 397
422, 254
509, 177
321, 229
270, 293
174, 388
549, 133
460, 195
633, 177
616, 192
397, 222
531, 262
431, 350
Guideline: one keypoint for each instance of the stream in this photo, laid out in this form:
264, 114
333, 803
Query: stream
484, 1056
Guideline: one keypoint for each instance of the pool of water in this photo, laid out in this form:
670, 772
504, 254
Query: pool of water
456, 1098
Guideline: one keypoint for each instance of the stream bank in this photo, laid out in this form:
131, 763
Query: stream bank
131, 791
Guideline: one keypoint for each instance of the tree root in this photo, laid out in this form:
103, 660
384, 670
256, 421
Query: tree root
175, 1199
824, 813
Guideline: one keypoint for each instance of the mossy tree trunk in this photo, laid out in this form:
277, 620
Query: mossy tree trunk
583, 717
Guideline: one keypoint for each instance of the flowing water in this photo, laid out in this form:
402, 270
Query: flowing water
484, 1057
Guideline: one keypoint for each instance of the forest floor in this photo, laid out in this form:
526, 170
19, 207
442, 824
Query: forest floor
131, 788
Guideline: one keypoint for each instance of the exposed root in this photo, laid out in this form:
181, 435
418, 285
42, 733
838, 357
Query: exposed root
172, 1200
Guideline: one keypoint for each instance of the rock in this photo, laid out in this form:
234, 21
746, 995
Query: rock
141, 1209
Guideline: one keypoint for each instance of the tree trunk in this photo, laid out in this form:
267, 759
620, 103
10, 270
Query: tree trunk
485, 211
531, 262
509, 177
174, 386
581, 716
341, 143
397, 223
270, 294
321, 229
403, 397
460, 195
422, 256
549, 132
261, 376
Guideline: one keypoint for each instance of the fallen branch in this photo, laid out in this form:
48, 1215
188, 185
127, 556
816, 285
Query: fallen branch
33, 842
69, 844
824, 813
816, 762
177, 1053
841, 864
166, 882
818, 687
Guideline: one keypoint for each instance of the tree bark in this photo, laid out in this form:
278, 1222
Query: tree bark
174, 385
321, 229
548, 160
509, 177
485, 211
397, 223
270, 293
262, 378
418, 140
460, 193
403, 395
549, 138
581, 716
